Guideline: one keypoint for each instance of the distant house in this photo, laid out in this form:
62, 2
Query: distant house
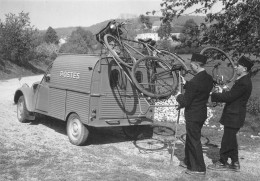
156, 25
176, 34
62, 41
153, 36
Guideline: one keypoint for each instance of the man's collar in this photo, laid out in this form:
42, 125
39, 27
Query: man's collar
239, 77
201, 70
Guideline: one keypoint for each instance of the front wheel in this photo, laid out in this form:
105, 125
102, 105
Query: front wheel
153, 77
22, 111
76, 130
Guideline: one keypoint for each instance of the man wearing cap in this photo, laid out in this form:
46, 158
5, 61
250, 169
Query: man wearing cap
233, 115
194, 100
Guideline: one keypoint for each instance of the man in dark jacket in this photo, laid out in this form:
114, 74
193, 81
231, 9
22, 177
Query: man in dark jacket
194, 100
233, 115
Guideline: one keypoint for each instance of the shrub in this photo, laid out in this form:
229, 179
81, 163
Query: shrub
253, 105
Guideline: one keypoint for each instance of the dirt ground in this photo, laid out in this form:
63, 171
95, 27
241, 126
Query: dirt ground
40, 150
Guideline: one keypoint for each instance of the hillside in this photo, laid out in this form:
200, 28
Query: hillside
177, 23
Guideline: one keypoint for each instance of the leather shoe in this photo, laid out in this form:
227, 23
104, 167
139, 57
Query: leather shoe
235, 166
195, 173
219, 166
182, 164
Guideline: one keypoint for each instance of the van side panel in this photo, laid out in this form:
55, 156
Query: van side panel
57, 103
73, 72
78, 103
71, 79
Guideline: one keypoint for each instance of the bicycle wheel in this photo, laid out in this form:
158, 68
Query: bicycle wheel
150, 144
119, 52
154, 77
171, 58
219, 65
204, 140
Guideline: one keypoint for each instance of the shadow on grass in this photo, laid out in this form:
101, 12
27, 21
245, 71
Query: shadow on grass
97, 136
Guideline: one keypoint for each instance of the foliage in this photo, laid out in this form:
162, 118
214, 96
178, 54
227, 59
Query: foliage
165, 30
235, 29
81, 41
51, 36
190, 34
46, 51
145, 21
253, 105
17, 38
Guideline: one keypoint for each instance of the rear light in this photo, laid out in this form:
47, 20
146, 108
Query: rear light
93, 113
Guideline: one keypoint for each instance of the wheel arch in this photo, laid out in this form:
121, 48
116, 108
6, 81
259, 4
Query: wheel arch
28, 97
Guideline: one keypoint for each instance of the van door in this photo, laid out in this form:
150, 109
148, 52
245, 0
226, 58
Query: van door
113, 88
42, 102
136, 106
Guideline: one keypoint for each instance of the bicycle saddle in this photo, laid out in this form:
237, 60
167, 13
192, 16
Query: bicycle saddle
145, 41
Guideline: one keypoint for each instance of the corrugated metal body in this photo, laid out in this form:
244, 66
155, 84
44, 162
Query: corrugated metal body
78, 103
57, 98
133, 107
73, 72
112, 101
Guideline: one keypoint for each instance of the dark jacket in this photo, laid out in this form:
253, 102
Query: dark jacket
234, 111
196, 97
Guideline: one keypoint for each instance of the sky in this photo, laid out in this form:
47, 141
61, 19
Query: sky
68, 13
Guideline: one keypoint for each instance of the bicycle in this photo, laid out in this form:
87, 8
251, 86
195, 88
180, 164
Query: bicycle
127, 51
219, 65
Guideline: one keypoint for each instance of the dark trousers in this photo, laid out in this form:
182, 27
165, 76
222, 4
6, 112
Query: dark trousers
193, 148
229, 146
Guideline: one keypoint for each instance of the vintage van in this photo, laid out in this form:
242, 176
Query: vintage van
86, 91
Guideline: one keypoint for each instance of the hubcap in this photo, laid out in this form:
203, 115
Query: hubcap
75, 128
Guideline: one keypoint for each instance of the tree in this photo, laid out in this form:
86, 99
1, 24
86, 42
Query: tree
235, 28
17, 37
165, 30
145, 20
190, 33
51, 36
81, 41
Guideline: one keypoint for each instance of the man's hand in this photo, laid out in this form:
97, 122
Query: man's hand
178, 93
183, 81
218, 89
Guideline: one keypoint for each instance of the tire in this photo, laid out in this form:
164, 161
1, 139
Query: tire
136, 131
159, 81
219, 65
119, 52
76, 130
204, 140
22, 111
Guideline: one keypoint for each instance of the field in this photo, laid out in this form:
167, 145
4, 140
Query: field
40, 150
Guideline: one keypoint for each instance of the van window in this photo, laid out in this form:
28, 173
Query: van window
114, 78
139, 76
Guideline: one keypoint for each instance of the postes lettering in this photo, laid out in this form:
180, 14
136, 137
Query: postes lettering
72, 75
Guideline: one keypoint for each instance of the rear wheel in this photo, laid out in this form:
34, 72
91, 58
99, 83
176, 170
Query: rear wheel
154, 77
76, 130
22, 111
219, 65
119, 52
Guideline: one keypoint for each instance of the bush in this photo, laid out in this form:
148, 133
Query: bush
253, 105
46, 51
